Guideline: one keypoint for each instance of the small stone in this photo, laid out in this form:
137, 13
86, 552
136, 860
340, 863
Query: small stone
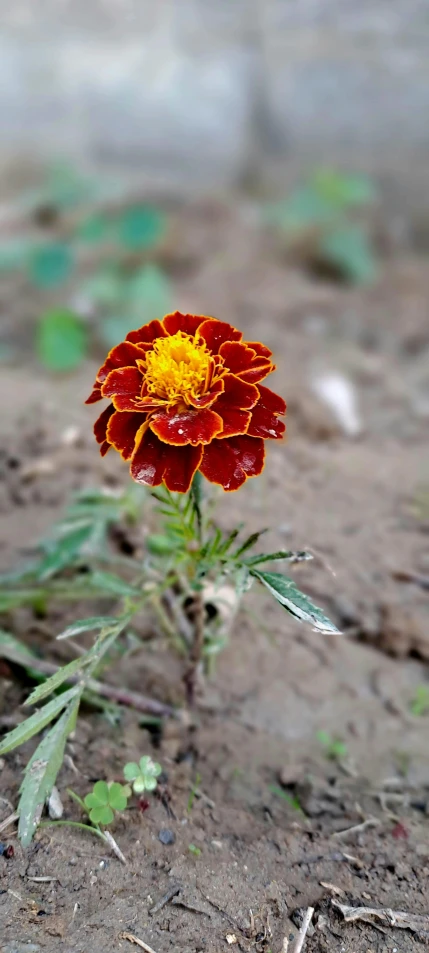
55, 805
422, 850
290, 774
166, 836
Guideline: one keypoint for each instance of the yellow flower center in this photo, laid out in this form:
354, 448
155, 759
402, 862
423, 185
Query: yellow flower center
177, 368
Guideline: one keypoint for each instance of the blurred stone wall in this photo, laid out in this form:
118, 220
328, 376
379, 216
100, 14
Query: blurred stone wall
202, 92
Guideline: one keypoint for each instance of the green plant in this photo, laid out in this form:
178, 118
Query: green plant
142, 776
111, 249
196, 851
291, 799
420, 703
334, 747
190, 564
104, 800
319, 219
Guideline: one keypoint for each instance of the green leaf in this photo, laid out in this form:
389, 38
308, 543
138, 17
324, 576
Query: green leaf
14, 254
61, 340
305, 208
88, 625
41, 772
11, 600
248, 543
100, 792
291, 556
49, 265
52, 683
21, 651
63, 552
149, 294
117, 797
131, 771
344, 191
102, 814
160, 545
105, 288
290, 799
349, 249
141, 227
94, 229
32, 725
112, 584
114, 328
226, 545
289, 596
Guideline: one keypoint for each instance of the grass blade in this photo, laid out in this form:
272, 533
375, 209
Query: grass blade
63, 674
41, 772
87, 625
32, 725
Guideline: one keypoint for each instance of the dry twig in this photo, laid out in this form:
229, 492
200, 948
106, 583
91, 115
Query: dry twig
135, 939
415, 922
358, 828
300, 940
8, 821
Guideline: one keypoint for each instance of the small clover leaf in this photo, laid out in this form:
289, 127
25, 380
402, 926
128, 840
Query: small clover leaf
104, 800
143, 776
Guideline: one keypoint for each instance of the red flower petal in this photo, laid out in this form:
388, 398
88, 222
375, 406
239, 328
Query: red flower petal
155, 462
271, 401
237, 393
95, 394
244, 362
265, 422
122, 431
123, 355
190, 427
147, 333
260, 349
229, 462
123, 382
234, 421
188, 323
215, 332
234, 404
207, 399
100, 428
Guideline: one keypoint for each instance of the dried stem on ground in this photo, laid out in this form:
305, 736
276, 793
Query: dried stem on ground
417, 923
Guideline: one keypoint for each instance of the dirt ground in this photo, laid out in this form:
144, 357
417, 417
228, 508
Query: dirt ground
359, 831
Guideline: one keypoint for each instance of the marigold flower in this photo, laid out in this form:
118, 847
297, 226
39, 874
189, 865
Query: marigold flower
185, 396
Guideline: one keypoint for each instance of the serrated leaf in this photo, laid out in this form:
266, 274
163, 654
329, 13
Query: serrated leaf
63, 552
54, 681
290, 555
32, 725
248, 543
149, 294
226, 545
141, 227
294, 601
87, 625
160, 545
349, 249
21, 651
41, 772
50, 265
61, 340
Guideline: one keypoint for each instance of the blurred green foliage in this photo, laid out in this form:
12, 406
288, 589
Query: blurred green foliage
95, 257
320, 219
